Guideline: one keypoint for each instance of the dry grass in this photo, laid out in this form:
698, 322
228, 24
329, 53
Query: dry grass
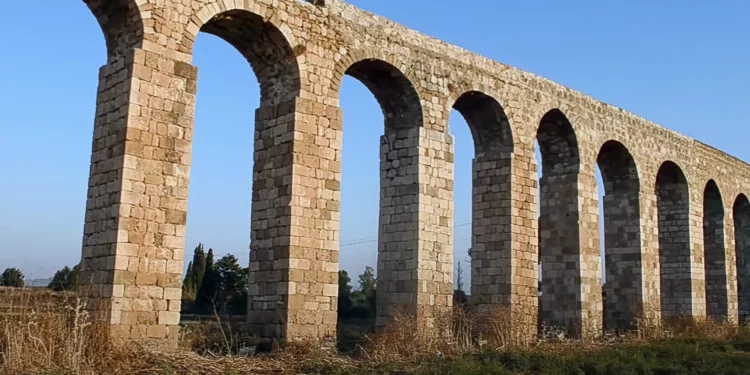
59, 339
55, 336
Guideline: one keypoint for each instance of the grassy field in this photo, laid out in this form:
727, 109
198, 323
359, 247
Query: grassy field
45, 333
676, 356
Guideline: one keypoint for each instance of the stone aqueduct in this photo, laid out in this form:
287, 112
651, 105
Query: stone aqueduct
676, 211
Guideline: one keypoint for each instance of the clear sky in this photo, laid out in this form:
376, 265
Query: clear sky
682, 64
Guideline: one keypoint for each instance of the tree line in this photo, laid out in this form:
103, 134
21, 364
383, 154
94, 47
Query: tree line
12, 277
220, 286
214, 286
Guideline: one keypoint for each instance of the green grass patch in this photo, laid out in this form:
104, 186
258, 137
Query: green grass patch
686, 356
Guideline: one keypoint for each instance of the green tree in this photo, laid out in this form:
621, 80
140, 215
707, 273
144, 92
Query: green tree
367, 281
209, 286
194, 277
345, 294
231, 280
364, 298
188, 284
13, 277
237, 305
65, 279
60, 279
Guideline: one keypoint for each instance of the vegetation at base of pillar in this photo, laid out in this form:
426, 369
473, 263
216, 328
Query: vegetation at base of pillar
65, 279
360, 303
13, 277
214, 286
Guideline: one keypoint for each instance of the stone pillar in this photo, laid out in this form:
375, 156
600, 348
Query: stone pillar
504, 242
697, 257
134, 235
741, 223
717, 285
415, 247
569, 250
650, 311
680, 247
623, 260
492, 232
730, 261
293, 281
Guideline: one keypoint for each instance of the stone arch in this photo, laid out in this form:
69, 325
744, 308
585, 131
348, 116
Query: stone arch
619, 171
391, 84
488, 122
122, 23
673, 207
559, 230
558, 144
265, 43
622, 235
741, 218
717, 285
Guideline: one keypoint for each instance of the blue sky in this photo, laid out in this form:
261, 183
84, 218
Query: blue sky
682, 64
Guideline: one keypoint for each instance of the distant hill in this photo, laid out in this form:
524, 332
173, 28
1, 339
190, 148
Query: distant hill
38, 282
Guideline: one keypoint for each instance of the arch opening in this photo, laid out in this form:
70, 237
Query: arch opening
360, 194
219, 214
673, 207
622, 235
741, 217
559, 237
402, 111
273, 68
265, 47
717, 286
490, 238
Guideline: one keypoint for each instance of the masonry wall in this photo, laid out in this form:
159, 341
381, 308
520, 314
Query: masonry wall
134, 231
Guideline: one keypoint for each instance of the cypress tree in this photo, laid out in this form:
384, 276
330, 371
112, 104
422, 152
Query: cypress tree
188, 284
199, 268
209, 285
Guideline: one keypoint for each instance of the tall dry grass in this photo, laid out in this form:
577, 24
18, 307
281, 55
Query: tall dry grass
448, 332
50, 333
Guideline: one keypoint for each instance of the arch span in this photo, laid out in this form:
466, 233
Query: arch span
673, 206
487, 122
121, 22
558, 144
622, 235
393, 90
266, 49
